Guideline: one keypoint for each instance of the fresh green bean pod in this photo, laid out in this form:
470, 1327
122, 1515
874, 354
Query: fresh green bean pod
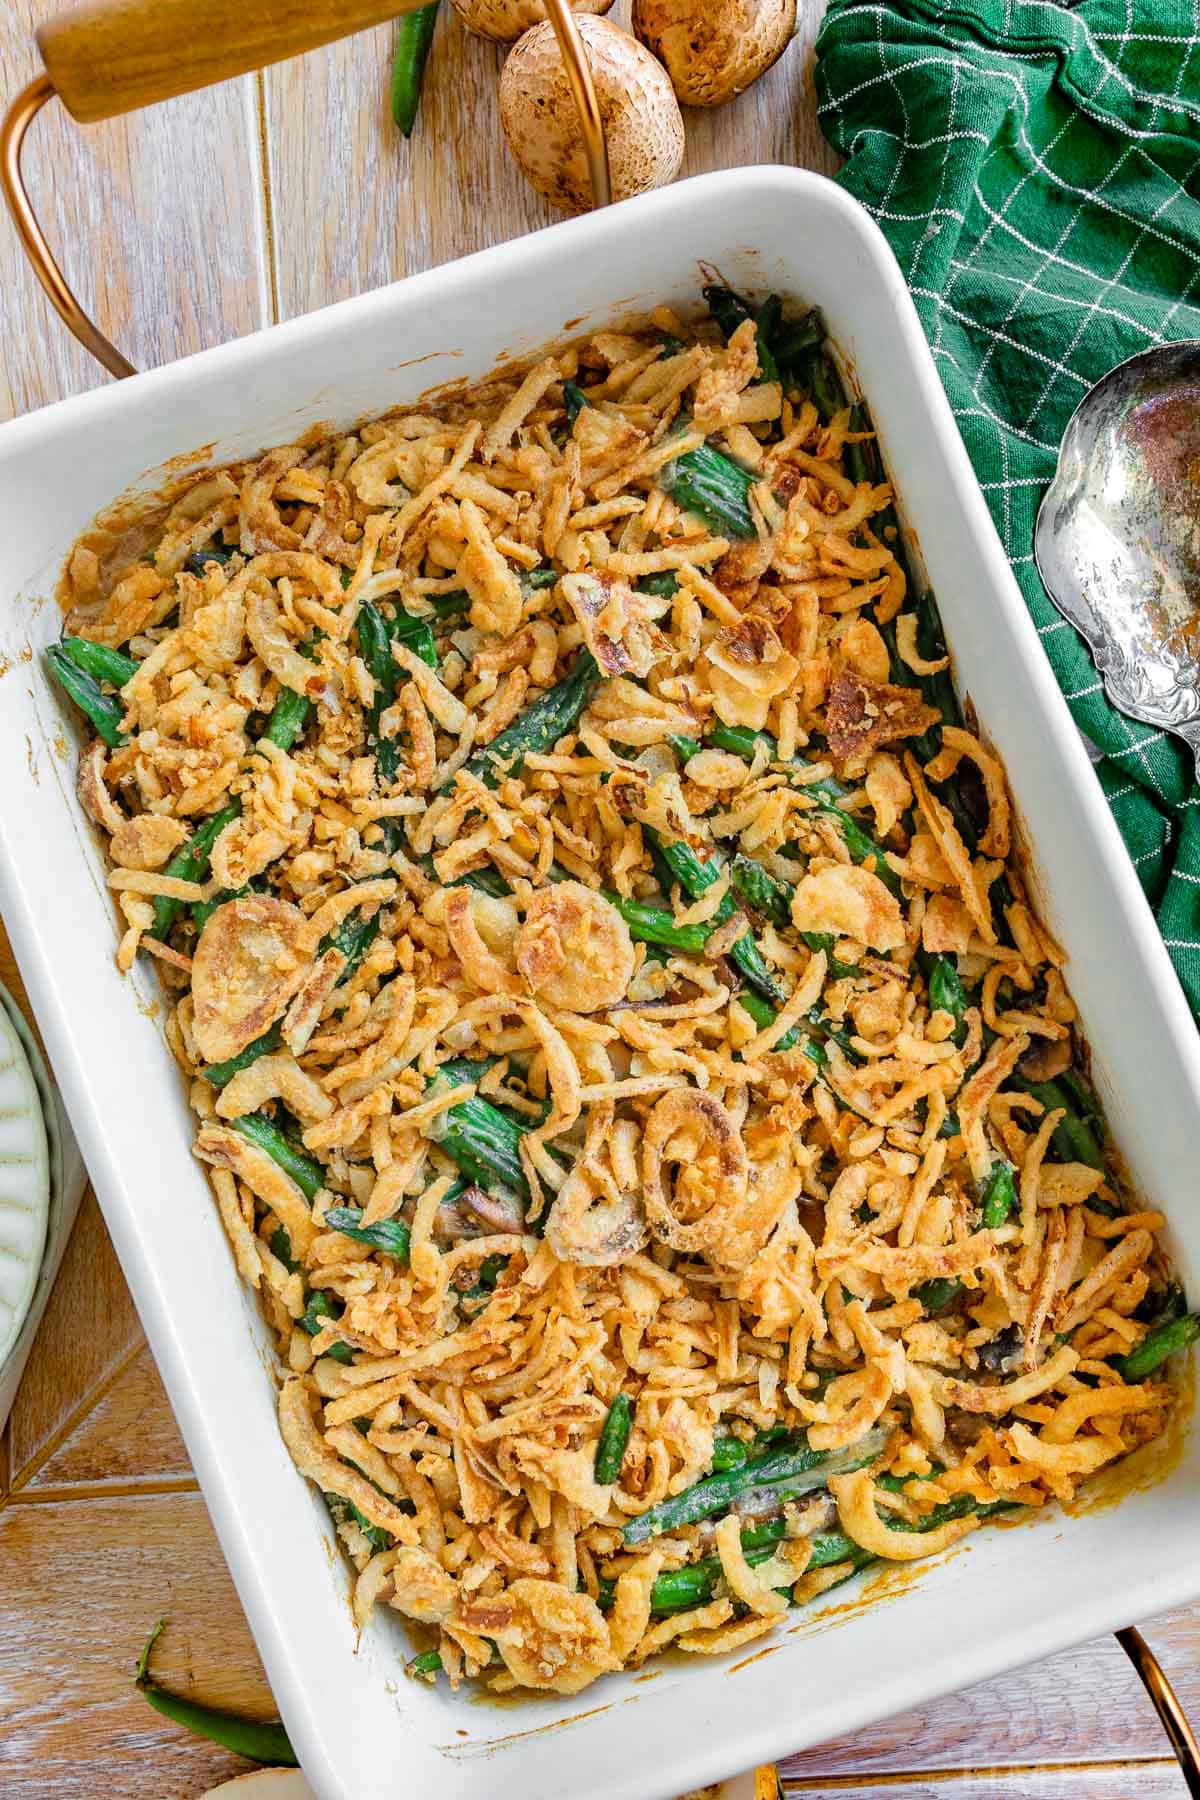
413, 41
259, 1743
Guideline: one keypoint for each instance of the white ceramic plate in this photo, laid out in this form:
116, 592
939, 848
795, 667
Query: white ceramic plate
24, 1185
67, 1182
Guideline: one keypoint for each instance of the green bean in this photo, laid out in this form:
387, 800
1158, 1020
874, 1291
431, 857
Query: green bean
939, 1293
481, 1138
998, 1197
288, 718
540, 726
389, 1235
695, 874
105, 711
728, 1453
663, 586
448, 606
825, 794
791, 1470
764, 1014
534, 580
706, 482
574, 400
828, 391
614, 1440
244, 1737
947, 994
318, 1312
219, 1075
353, 937
425, 1667
304, 1170
656, 925
408, 67
281, 1246
191, 864
199, 560
760, 890
1157, 1345
344, 1512
730, 310
108, 665
727, 308
1073, 1139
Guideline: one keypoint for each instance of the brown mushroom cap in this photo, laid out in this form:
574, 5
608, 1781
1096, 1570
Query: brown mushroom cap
504, 20
714, 49
640, 113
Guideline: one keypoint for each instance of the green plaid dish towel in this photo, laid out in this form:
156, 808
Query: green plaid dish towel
1036, 169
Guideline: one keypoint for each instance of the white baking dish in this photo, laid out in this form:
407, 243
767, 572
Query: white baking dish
363, 1731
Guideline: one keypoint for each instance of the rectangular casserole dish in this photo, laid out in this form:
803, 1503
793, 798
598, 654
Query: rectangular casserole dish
1009, 1595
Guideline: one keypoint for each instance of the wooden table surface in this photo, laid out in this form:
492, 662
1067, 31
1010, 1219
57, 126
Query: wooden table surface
204, 219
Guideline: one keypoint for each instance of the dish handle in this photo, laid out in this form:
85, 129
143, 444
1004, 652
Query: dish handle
764, 1783
107, 57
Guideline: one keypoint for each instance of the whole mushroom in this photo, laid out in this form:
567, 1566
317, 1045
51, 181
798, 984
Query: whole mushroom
504, 20
714, 49
642, 121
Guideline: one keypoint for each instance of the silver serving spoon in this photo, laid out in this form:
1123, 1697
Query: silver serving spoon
1118, 535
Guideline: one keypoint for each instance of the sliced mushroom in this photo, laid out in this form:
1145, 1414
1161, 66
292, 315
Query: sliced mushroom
574, 948
247, 965
591, 1224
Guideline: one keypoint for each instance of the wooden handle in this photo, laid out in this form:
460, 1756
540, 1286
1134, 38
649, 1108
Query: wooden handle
111, 56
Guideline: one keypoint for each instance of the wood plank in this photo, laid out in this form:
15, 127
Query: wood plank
157, 219
454, 188
90, 1331
1085, 1705
128, 1438
1108, 1781
83, 1583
